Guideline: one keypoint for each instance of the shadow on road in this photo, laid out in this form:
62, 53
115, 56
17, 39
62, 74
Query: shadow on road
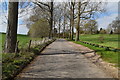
66, 52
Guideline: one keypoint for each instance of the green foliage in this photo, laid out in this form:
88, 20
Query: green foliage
39, 29
11, 66
91, 27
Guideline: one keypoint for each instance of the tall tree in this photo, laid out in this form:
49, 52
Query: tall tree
78, 22
86, 10
49, 8
72, 7
11, 34
91, 26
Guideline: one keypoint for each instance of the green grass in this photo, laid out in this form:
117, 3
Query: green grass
13, 63
23, 40
109, 40
109, 56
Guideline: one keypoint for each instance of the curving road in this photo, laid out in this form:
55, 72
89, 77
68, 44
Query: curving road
61, 60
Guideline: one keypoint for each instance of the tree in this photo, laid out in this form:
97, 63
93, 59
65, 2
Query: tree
115, 25
86, 10
103, 31
49, 8
39, 29
11, 34
111, 32
78, 22
72, 8
91, 26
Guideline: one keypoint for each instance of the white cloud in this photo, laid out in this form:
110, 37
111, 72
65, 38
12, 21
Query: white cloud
106, 20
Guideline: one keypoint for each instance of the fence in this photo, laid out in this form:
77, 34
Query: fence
32, 44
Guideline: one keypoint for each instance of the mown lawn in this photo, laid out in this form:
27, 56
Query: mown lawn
108, 40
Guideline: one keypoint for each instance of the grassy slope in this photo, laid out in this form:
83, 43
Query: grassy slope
109, 40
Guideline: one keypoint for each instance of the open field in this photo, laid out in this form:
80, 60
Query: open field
108, 40
23, 40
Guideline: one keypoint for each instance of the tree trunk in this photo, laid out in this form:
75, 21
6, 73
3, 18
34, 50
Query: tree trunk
54, 34
59, 29
51, 20
72, 20
64, 27
70, 30
78, 22
11, 34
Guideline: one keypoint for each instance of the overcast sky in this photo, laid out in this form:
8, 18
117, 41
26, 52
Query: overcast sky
103, 21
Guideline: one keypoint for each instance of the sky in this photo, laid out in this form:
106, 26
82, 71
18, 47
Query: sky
103, 21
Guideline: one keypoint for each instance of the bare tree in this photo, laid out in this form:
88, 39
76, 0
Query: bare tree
72, 19
11, 34
78, 22
86, 10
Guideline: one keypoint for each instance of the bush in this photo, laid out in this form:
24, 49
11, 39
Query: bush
103, 31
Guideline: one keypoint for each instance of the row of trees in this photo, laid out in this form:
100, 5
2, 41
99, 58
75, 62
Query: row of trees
54, 17
67, 17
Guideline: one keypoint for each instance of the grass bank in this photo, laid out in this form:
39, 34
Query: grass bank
110, 40
108, 56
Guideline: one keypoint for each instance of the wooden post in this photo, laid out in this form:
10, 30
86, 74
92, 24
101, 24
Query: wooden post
29, 45
16, 47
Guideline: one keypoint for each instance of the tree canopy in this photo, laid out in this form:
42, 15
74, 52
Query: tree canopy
39, 28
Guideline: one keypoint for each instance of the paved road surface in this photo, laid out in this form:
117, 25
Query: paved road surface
61, 60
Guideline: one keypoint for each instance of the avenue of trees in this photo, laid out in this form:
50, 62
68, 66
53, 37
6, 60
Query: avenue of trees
55, 19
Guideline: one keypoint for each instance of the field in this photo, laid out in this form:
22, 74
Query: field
108, 40
23, 40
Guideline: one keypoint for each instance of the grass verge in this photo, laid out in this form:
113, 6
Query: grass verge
13, 63
109, 56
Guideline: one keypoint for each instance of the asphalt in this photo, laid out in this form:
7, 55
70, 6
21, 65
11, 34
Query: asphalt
61, 60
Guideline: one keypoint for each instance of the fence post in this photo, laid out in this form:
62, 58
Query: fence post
29, 45
16, 47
